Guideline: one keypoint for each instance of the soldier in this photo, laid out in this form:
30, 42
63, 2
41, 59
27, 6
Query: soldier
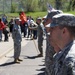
40, 36
49, 49
16, 35
62, 33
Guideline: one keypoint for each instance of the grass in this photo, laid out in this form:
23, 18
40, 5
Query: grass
71, 12
32, 14
36, 14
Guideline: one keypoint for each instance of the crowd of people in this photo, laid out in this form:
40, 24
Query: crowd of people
4, 28
59, 28
25, 24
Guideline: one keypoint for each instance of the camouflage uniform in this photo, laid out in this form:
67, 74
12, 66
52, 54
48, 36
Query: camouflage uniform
40, 38
16, 35
64, 63
39, 29
64, 60
49, 57
49, 49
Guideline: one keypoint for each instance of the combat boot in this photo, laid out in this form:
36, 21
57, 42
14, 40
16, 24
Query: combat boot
16, 61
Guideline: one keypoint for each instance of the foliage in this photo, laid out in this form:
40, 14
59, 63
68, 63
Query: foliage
35, 5
13, 8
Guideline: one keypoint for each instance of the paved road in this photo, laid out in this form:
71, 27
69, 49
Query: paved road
31, 65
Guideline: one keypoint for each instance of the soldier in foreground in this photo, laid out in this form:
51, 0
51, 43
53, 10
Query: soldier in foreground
49, 49
62, 33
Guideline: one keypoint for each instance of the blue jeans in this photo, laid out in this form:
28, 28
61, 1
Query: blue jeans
0, 34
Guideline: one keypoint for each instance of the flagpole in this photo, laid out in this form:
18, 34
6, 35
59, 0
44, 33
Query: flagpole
35, 46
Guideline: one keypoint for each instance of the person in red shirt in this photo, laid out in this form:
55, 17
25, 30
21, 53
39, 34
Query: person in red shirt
2, 26
24, 24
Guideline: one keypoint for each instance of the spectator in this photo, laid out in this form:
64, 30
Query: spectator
4, 19
11, 23
2, 26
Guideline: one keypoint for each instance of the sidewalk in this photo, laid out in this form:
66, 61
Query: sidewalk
31, 65
5, 47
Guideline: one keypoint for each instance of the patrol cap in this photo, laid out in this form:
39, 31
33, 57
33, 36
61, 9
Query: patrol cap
39, 18
32, 22
63, 19
52, 13
18, 19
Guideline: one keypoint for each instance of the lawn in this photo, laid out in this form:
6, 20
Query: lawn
32, 14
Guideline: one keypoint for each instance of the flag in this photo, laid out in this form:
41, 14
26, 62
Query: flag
23, 17
49, 8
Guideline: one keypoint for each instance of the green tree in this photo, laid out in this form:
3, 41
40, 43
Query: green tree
13, 8
34, 5
58, 4
73, 5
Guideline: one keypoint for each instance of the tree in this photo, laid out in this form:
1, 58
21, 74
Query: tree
73, 4
58, 4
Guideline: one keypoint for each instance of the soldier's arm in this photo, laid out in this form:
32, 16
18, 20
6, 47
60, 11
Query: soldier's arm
33, 28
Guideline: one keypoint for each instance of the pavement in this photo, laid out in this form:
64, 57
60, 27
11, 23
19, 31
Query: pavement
31, 64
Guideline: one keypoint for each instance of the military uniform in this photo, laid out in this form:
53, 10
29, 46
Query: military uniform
64, 63
49, 49
64, 60
40, 38
16, 35
49, 57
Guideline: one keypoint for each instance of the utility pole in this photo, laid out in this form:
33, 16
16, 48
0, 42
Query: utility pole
58, 4
11, 5
3, 6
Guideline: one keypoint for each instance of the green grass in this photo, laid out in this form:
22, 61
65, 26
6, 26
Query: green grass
71, 12
36, 14
32, 14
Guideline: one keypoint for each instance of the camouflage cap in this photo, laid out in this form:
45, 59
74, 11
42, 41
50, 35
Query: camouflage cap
52, 13
18, 19
63, 19
39, 18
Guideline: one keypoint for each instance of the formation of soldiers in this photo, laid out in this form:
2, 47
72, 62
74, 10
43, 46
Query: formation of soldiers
59, 50
60, 37
59, 61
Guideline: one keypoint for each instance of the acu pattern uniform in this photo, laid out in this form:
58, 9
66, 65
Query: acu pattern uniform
64, 60
49, 57
40, 38
49, 49
39, 29
17, 38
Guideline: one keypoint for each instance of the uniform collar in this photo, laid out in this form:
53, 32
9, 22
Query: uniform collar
64, 50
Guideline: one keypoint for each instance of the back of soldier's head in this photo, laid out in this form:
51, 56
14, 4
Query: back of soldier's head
50, 15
